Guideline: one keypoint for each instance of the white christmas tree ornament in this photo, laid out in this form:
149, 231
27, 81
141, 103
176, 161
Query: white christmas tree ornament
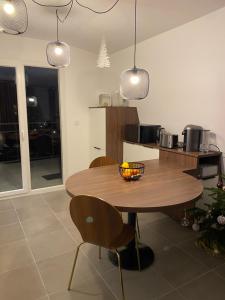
103, 58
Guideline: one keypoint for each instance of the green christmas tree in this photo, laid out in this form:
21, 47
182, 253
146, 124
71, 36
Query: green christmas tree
212, 221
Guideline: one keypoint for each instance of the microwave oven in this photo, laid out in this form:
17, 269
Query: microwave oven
142, 133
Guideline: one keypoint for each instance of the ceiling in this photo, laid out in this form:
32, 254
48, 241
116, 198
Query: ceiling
84, 29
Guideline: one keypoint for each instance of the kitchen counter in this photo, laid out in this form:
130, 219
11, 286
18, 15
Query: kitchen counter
179, 150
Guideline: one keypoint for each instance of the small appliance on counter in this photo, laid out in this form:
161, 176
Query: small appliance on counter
192, 138
142, 133
168, 140
104, 100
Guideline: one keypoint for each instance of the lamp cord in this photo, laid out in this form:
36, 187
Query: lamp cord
47, 5
71, 3
57, 26
95, 11
135, 32
67, 14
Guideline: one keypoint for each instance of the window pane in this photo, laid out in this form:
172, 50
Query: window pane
44, 126
10, 161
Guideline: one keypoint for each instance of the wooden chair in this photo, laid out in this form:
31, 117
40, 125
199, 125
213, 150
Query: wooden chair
107, 161
100, 224
102, 161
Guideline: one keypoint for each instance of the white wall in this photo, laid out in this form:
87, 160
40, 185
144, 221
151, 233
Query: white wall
187, 70
78, 84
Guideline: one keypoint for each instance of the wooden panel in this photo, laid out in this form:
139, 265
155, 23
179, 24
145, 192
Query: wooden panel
182, 160
116, 119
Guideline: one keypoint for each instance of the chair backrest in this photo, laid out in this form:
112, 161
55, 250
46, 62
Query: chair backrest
98, 222
102, 161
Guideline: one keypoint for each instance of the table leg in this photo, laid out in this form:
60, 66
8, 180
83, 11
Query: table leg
128, 255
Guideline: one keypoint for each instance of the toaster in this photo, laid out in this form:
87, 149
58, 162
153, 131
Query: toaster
168, 140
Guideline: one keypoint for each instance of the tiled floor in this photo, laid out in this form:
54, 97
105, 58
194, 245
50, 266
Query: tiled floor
12, 174
37, 243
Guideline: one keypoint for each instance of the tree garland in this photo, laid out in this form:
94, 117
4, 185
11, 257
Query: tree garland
211, 222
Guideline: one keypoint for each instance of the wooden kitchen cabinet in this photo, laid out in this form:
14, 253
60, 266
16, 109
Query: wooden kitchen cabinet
107, 130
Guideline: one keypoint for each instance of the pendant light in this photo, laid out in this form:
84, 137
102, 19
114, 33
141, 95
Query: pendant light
134, 83
58, 53
13, 16
53, 3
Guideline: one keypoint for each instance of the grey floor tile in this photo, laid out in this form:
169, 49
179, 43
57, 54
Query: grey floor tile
207, 287
56, 271
10, 233
8, 217
143, 285
26, 213
102, 265
5, 204
65, 218
36, 226
200, 254
75, 234
51, 244
58, 200
221, 270
94, 289
154, 239
14, 256
53, 238
145, 219
177, 267
21, 284
173, 230
29, 201
172, 296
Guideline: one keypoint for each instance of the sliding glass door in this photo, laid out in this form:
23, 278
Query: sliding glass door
42, 101
30, 138
10, 158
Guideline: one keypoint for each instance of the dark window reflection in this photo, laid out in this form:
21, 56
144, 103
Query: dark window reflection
44, 126
10, 162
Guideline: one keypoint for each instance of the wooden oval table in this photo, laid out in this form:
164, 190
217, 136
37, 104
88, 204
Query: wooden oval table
163, 185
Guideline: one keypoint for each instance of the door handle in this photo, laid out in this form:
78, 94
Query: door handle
97, 148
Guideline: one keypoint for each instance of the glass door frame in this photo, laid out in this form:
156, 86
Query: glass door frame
23, 128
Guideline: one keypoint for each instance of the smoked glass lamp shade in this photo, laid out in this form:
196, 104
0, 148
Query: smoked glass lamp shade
13, 16
134, 84
53, 3
58, 54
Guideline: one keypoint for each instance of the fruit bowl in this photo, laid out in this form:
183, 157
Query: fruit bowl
131, 170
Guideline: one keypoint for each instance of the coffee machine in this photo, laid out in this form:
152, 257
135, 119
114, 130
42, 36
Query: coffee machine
192, 138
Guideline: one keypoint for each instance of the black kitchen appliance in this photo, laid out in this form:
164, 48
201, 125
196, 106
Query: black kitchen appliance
142, 133
192, 138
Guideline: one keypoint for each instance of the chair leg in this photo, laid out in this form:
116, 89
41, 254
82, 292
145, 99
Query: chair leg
121, 276
100, 252
138, 228
138, 254
74, 265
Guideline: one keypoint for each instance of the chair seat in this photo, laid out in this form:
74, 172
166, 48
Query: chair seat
126, 236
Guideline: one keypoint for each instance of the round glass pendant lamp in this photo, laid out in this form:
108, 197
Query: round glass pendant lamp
13, 16
58, 54
134, 83
53, 3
